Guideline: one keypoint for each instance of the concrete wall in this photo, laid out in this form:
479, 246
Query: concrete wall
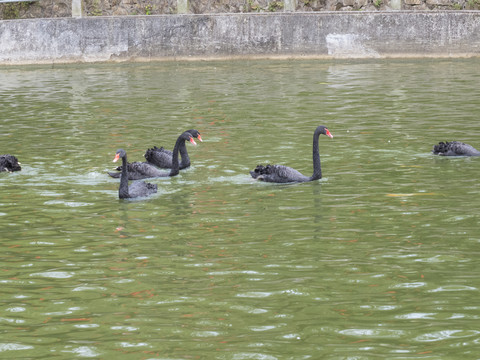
315, 35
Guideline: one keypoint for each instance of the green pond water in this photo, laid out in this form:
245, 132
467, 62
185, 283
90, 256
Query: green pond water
379, 259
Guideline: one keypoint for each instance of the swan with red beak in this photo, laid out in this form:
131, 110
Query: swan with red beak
163, 158
143, 170
285, 174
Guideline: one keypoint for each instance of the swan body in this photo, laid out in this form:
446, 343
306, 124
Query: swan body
144, 170
454, 148
285, 174
9, 163
278, 174
139, 170
163, 158
137, 188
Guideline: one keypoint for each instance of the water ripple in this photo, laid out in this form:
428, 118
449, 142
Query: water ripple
370, 262
14, 346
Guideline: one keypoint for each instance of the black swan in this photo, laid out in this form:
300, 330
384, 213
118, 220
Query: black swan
285, 174
143, 170
162, 158
9, 163
137, 188
454, 148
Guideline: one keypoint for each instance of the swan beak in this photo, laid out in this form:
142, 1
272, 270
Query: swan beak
193, 141
329, 134
117, 156
199, 138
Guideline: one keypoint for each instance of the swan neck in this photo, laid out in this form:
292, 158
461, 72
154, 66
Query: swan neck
175, 165
184, 154
317, 168
123, 189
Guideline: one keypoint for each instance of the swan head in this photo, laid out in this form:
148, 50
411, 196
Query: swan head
188, 136
195, 133
120, 154
323, 130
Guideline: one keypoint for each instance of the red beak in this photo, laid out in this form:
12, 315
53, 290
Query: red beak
329, 134
193, 141
199, 138
117, 156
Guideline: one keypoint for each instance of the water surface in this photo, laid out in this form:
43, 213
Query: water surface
379, 259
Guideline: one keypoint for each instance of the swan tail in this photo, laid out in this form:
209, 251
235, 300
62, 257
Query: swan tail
9, 163
260, 171
141, 189
152, 187
441, 148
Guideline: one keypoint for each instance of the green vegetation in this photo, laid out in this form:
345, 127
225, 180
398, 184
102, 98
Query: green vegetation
275, 5
29, 9
271, 7
473, 4
13, 10
95, 8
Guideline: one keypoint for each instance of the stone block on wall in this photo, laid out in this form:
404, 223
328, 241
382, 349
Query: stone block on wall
440, 2
413, 2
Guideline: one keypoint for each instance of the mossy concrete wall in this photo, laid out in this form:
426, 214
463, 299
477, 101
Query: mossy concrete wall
282, 35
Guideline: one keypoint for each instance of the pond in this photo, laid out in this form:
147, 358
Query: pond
378, 259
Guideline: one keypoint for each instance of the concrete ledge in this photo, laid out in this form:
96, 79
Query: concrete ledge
224, 36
